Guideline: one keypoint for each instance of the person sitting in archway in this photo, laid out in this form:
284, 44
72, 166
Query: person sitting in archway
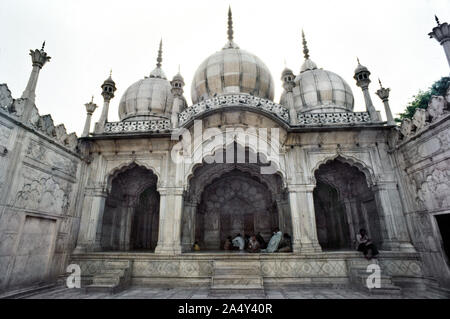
239, 242
285, 244
261, 241
365, 245
253, 245
228, 244
274, 242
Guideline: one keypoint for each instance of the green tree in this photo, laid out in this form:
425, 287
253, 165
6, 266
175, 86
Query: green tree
422, 98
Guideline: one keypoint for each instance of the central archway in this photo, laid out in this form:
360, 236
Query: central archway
225, 199
234, 203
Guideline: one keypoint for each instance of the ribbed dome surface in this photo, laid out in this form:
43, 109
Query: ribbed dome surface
149, 98
318, 90
232, 70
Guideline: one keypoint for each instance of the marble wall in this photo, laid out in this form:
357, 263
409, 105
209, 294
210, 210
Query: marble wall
39, 187
423, 165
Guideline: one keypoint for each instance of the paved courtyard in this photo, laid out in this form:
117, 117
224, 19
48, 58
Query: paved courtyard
204, 293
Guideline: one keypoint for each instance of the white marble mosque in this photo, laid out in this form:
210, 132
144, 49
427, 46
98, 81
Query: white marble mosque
127, 200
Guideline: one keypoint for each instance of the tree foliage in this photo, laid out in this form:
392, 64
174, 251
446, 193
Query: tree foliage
422, 98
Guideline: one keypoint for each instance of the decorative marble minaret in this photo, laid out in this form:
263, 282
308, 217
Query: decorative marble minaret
442, 34
90, 108
362, 77
383, 93
287, 76
108, 89
178, 101
38, 58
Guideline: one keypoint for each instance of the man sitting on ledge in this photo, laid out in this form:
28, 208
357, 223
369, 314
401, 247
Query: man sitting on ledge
274, 242
286, 244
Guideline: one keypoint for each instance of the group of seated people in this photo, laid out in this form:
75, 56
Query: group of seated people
256, 243
280, 242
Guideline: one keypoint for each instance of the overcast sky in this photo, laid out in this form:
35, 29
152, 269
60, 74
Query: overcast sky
87, 38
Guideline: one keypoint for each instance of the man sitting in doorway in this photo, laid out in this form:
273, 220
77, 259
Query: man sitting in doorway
286, 244
365, 245
274, 242
239, 242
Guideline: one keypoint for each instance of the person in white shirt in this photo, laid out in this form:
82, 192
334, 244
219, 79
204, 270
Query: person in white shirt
239, 242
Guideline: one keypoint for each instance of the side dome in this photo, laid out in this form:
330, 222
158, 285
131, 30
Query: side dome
149, 98
317, 90
320, 91
232, 70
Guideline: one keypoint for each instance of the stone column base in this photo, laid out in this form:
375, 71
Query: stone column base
398, 246
307, 248
168, 250
186, 248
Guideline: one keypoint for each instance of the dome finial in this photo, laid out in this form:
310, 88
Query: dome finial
230, 25
305, 46
437, 20
159, 59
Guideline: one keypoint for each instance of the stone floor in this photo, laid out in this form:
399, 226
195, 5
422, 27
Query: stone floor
204, 293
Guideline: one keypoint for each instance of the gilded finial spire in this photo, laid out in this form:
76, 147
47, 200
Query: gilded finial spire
159, 59
230, 25
437, 20
357, 59
92, 99
110, 73
305, 46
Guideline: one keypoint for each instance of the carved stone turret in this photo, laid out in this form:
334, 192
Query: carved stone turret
383, 93
108, 89
38, 58
177, 84
288, 84
362, 77
90, 108
442, 34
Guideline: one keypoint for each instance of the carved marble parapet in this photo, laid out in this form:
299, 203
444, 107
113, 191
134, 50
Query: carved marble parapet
231, 100
310, 119
436, 110
42, 123
137, 126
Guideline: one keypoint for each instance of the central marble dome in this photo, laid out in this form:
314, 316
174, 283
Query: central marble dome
232, 70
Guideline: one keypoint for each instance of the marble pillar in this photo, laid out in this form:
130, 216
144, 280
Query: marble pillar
188, 236
170, 213
395, 233
89, 237
303, 219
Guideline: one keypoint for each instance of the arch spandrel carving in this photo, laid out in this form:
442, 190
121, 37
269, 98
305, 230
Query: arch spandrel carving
344, 158
199, 155
116, 170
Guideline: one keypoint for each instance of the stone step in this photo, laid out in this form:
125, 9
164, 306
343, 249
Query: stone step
112, 272
384, 290
236, 272
253, 293
237, 283
101, 288
105, 281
